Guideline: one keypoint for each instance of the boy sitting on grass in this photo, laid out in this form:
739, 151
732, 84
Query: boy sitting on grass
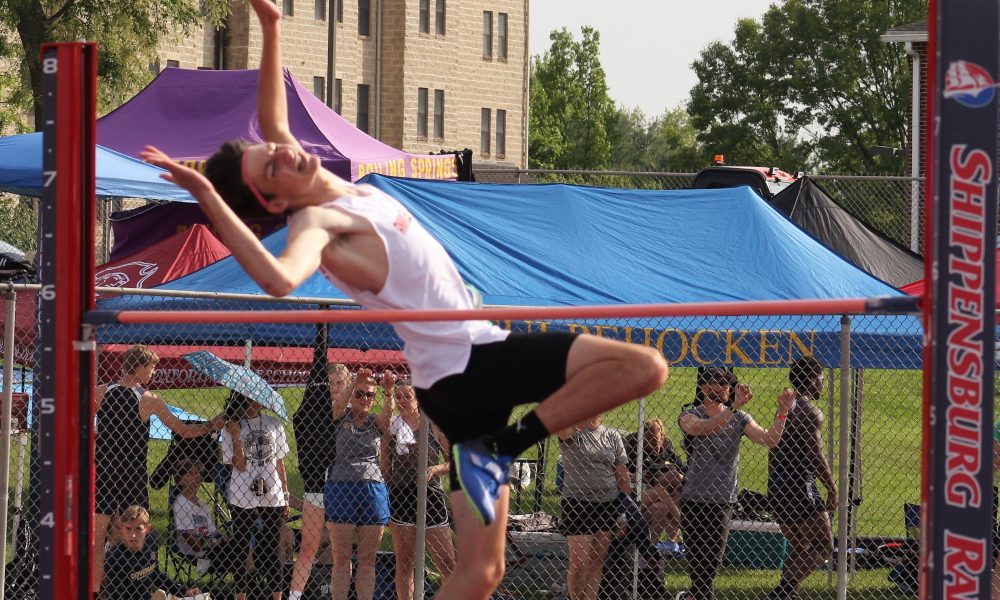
131, 570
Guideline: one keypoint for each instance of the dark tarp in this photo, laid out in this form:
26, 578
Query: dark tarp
808, 205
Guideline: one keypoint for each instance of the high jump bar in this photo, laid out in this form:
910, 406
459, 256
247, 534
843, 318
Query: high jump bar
868, 306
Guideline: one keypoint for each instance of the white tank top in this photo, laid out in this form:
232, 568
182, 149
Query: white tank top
421, 276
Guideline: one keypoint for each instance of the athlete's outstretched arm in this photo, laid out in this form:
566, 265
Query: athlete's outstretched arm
272, 103
277, 276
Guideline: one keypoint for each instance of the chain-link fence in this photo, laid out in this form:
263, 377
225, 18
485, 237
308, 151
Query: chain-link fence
893, 206
312, 481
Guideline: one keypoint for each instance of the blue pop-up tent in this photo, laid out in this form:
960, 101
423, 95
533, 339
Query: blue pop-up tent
118, 176
549, 245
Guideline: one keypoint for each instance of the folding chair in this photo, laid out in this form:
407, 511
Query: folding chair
903, 557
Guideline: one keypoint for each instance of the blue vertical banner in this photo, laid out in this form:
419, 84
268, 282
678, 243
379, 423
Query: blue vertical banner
959, 473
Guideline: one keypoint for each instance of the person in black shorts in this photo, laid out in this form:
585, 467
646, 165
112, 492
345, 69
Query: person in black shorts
595, 474
122, 443
793, 466
401, 468
468, 373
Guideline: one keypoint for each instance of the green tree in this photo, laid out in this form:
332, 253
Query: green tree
810, 85
571, 112
127, 33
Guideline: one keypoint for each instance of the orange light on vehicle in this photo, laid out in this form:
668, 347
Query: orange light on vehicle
720, 159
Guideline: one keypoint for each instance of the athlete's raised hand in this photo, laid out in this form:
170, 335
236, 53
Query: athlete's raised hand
182, 175
267, 11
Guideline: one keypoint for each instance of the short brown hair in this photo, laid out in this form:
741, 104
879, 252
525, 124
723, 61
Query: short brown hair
138, 356
133, 513
225, 170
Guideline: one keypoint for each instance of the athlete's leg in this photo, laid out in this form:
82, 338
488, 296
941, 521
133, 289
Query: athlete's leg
480, 551
312, 526
403, 545
369, 537
341, 540
442, 550
811, 542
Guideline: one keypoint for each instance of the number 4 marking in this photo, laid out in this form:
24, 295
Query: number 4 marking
48, 520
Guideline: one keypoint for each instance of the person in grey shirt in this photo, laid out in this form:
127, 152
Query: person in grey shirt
356, 499
595, 472
713, 431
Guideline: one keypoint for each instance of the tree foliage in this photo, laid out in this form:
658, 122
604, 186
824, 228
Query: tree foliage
810, 85
571, 112
666, 143
127, 33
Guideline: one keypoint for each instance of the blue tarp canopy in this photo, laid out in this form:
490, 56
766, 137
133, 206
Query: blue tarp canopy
550, 245
118, 176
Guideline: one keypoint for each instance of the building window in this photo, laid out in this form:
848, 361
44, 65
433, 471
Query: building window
422, 112
501, 133
502, 36
154, 67
439, 17
363, 90
439, 114
288, 8
425, 16
338, 95
364, 17
319, 11
319, 88
487, 34
339, 4
174, 64
484, 132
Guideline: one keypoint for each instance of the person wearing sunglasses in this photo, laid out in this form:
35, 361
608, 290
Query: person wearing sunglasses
373, 249
356, 498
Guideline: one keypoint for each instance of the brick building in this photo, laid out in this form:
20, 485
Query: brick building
420, 75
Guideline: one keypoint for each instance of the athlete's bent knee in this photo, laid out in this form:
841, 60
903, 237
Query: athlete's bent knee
653, 367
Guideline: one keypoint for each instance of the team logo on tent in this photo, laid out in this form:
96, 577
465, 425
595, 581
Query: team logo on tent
122, 275
969, 84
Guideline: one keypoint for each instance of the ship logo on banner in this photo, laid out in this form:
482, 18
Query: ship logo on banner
969, 84
135, 273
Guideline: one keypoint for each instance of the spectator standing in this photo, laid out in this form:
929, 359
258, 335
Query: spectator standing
793, 466
315, 435
121, 446
662, 477
132, 570
714, 429
356, 499
255, 445
401, 458
595, 473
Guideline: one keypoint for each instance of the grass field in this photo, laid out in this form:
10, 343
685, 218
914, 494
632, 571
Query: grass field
889, 456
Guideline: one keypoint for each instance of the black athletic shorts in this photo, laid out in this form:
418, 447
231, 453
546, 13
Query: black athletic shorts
793, 497
583, 517
403, 506
524, 368
116, 491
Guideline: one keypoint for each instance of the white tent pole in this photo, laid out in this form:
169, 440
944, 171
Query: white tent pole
10, 299
248, 353
843, 466
420, 564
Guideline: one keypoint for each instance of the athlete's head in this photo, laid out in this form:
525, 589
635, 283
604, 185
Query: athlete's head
256, 180
140, 361
133, 526
806, 376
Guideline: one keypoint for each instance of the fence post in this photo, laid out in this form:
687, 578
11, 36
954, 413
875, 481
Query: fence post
843, 466
10, 298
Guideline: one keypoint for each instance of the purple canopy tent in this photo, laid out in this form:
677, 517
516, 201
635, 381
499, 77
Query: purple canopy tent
189, 113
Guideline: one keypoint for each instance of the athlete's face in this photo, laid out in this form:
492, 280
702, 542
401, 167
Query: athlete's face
338, 383
363, 398
406, 399
715, 392
279, 170
133, 533
145, 373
